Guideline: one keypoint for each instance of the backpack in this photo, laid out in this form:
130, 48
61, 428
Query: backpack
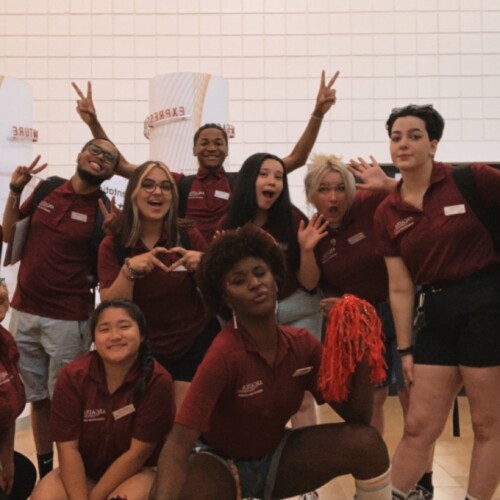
489, 217
52, 183
184, 188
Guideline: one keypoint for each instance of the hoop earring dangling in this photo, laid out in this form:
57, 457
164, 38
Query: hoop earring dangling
235, 321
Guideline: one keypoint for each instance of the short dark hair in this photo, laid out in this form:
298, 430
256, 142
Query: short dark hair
225, 252
205, 127
88, 143
434, 122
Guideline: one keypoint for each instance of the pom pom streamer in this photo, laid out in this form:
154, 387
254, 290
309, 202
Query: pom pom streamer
353, 333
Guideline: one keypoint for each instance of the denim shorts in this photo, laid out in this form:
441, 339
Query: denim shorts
254, 478
45, 346
302, 310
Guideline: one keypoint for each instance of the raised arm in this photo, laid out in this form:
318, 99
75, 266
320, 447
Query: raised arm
173, 462
324, 101
86, 109
20, 177
401, 295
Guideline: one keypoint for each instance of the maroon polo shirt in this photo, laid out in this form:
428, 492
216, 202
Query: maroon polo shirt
444, 241
239, 402
12, 398
346, 256
207, 200
171, 303
53, 279
82, 409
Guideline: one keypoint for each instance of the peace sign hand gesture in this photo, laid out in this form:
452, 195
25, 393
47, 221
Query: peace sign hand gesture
85, 105
22, 174
327, 95
110, 215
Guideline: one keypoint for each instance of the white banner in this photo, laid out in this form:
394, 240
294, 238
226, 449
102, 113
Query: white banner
179, 104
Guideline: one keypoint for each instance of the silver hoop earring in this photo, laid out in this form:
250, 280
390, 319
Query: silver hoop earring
235, 321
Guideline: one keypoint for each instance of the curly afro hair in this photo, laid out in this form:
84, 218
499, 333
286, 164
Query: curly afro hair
225, 252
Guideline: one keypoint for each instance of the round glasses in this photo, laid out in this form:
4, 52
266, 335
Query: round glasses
150, 185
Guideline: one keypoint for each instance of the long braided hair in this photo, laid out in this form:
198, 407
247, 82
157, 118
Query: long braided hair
145, 357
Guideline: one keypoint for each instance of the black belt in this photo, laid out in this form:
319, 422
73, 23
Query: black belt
487, 274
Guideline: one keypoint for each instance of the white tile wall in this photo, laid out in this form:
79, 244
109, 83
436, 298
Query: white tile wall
389, 53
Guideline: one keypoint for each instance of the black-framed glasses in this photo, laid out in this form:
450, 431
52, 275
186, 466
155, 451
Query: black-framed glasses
108, 157
149, 185
413, 107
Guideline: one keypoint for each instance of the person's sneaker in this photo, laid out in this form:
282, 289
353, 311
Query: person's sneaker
312, 495
415, 494
425, 494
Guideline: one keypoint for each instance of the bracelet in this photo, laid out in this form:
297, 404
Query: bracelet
406, 351
15, 189
314, 117
128, 276
132, 272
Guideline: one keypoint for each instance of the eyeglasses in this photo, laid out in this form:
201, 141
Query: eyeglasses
2, 281
150, 185
109, 158
413, 107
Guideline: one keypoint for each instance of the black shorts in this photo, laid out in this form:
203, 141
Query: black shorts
184, 368
462, 323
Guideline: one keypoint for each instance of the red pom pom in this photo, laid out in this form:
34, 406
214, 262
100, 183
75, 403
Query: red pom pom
353, 333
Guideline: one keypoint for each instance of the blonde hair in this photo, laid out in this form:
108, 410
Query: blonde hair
318, 167
129, 224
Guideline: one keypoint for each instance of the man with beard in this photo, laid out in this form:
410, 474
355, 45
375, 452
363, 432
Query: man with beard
53, 298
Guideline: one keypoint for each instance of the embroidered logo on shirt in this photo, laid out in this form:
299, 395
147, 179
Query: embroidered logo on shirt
96, 415
46, 207
196, 195
330, 253
251, 389
402, 225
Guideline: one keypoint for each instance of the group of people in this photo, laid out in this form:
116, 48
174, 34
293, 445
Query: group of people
208, 337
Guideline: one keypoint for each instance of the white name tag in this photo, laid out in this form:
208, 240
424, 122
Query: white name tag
302, 371
123, 412
357, 237
77, 216
221, 194
180, 268
454, 210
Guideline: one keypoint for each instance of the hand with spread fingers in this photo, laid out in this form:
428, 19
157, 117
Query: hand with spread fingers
190, 259
22, 175
371, 175
85, 105
309, 235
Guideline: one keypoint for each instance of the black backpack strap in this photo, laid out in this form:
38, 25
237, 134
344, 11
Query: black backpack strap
44, 189
232, 178
464, 179
183, 188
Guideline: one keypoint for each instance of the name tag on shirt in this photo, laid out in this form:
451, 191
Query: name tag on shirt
302, 371
223, 195
77, 216
357, 237
123, 412
454, 209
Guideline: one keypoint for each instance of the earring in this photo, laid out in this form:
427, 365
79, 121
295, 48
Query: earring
235, 321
